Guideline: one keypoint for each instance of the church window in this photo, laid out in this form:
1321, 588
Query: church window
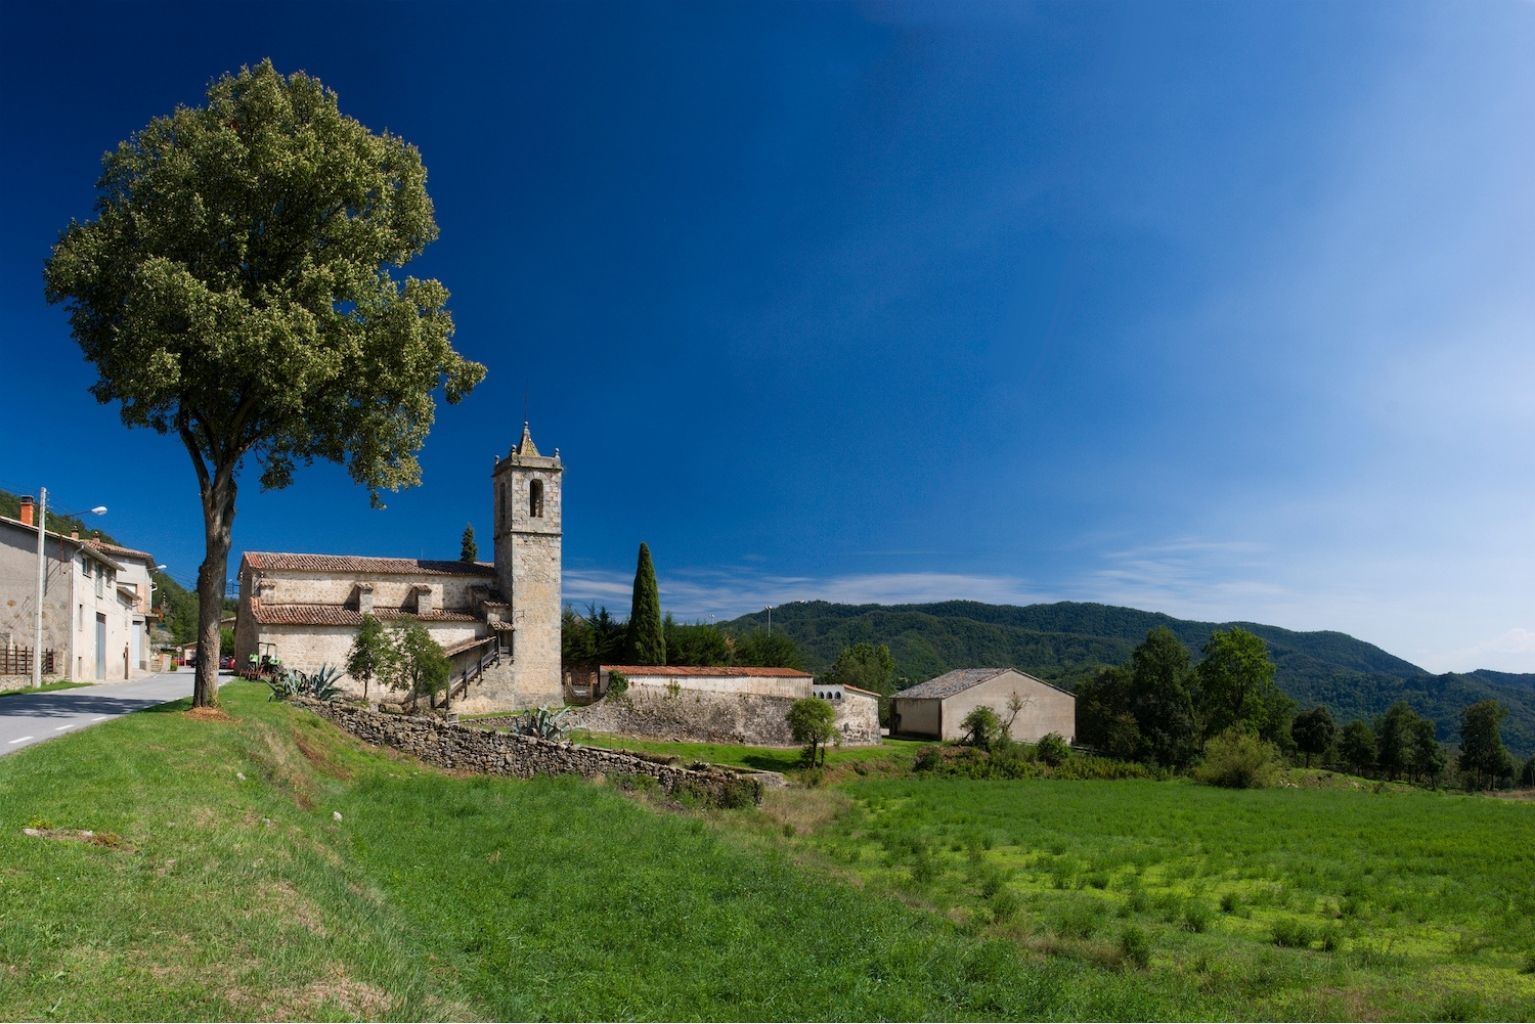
536, 499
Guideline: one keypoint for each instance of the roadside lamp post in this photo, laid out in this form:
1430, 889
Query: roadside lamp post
42, 566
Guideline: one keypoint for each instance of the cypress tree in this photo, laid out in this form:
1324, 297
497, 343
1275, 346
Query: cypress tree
468, 551
647, 640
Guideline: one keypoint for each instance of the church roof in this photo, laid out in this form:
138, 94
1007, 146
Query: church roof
958, 681
281, 560
683, 671
336, 615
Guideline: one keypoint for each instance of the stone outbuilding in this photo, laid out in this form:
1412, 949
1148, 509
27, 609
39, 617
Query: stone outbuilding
937, 707
723, 704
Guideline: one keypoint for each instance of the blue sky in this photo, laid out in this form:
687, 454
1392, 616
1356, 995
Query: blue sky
1223, 310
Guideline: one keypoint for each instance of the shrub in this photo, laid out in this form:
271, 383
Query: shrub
1196, 916
543, 723
982, 727
927, 759
1052, 749
317, 685
1292, 934
1135, 947
1237, 759
1005, 904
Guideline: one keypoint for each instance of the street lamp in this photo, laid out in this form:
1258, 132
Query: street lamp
42, 532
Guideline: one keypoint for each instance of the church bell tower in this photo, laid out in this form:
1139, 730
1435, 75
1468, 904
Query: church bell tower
526, 489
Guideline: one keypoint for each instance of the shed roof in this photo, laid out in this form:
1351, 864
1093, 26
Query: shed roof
960, 680
293, 562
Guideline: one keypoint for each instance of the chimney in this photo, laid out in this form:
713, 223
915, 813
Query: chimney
425, 603
26, 510
365, 598
74, 533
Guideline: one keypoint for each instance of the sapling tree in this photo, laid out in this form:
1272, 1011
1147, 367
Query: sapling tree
813, 722
982, 727
1313, 732
369, 653
415, 663
237, 290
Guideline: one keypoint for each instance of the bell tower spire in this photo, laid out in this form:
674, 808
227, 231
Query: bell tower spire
526, 489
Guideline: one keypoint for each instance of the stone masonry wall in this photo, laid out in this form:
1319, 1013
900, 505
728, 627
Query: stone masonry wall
460, 747
708, 717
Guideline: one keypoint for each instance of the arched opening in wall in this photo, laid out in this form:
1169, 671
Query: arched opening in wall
536, 499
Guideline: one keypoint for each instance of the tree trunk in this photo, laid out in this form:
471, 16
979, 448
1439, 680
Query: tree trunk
218, 497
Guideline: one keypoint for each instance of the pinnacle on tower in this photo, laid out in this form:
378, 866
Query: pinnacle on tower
526, 445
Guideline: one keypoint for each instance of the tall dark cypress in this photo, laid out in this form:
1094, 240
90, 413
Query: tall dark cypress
467, 550
647, 641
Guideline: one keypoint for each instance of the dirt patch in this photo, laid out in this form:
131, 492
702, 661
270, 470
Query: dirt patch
208, 714
355, 999
804, 811
320, 759
109, 840
291, 903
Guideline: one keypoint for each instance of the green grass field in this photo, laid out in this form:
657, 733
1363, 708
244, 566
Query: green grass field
1282, 903
773, 759
219, 883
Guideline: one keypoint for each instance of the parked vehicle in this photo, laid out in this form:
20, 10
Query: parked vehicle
227, 662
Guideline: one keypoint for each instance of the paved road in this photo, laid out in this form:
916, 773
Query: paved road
29, 719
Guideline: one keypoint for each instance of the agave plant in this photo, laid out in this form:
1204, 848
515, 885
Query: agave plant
319, 684
543, 723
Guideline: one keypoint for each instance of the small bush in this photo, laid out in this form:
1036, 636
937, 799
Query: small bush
1196, 916
618, 684
1293, 934
1529, 963
1005, 904
1229, 903
927, 759
1236, 759
1135, 947
1053, 749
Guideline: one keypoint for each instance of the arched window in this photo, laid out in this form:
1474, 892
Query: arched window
536, 499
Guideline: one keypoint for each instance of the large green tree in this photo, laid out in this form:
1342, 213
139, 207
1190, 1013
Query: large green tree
237, 289
1161, 699
1357, 746
468, 550
1236, 683
1483, 760
647, 637
1394, 739
1313, 732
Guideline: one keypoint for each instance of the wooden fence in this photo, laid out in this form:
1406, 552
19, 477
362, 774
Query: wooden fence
17, 661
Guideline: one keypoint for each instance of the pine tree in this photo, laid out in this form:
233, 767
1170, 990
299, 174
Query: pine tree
467, 551
647, 639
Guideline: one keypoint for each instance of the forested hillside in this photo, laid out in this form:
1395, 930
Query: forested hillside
1069, 641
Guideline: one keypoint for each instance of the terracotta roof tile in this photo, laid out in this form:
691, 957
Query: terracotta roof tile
336, 615
705, 670
282, 560
120, 551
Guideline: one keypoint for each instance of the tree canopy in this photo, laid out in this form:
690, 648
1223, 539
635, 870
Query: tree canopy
647, 637
1482, 757
236, 289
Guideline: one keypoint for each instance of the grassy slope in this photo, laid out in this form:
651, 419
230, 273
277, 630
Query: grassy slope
437, 896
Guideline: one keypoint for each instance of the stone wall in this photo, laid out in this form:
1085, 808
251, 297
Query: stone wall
701, 716
476, 750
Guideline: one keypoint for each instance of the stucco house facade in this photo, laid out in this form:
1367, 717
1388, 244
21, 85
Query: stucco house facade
505, 614
936, 707
96, 602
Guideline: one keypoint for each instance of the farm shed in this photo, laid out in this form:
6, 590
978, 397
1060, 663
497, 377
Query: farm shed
937, 707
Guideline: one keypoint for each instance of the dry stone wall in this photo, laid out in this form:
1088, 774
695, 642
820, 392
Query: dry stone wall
710, 717
476, 750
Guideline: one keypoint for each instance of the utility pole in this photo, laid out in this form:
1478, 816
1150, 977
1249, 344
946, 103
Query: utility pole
37, 632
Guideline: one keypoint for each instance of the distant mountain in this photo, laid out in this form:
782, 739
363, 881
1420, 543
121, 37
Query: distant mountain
1067, 642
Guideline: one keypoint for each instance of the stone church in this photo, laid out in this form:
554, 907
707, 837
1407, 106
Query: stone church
498, 621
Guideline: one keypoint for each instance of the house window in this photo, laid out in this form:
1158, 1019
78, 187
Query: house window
536, 499
101, 584
82, 617
85, 567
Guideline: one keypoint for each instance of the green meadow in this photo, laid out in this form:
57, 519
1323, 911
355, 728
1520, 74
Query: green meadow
264, 866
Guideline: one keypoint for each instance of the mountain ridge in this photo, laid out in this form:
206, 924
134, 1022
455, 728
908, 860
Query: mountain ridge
1066, 642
